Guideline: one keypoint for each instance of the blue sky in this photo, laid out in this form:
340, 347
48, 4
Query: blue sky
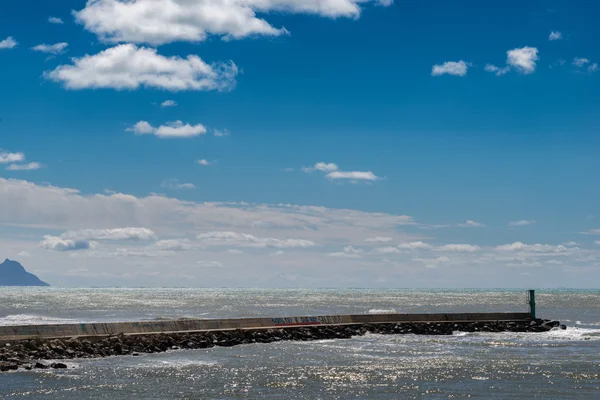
443, 112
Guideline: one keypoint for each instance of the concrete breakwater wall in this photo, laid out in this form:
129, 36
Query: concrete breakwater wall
31, 353
16, 333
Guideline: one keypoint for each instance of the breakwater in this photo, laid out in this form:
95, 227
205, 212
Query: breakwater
44, 346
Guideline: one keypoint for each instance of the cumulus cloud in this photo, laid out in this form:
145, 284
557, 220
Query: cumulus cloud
168, 103
59, 244
175, 184
456, 68
55, 20
32, 166
203, 162
128, 67
471, 224
57, 48
175, 129
163, 21
523, 59
6, 157
593, 68
523, 222
555, 35
221, 238
333, 172
520, 59
8, 43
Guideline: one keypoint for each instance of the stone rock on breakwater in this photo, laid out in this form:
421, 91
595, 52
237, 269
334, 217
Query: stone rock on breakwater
27, 354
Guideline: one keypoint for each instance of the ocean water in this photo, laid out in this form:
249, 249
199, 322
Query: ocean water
554, 365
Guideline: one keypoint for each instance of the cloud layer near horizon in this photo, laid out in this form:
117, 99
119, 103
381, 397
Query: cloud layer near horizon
158, 240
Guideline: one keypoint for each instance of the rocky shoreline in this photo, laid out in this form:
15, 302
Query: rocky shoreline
30, 354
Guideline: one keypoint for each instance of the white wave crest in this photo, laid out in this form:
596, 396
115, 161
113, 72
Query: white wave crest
28, 319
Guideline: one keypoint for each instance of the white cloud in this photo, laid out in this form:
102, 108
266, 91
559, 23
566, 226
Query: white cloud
465, 248
523, 222
471, 224
451, 68
174, 184
55, 20
173, 245
25, 167
523, 59
129, 233
349, 252
58, 244
378, 239
129, 67
415, 245
6, 157
322, 167
57, 48
24, 254
332, 171
353, 175
498, 71
221, 238
580, 61
597, 242
534, 248
168, 103
204, 162
175, 129
164, 21
220, 132
555, 35
8, 43
388, 250
26, 203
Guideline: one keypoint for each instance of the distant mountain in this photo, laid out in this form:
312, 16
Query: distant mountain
13, 274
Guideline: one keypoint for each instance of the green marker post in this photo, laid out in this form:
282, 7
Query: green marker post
532, 303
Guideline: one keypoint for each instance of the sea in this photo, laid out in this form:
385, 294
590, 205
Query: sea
560, 364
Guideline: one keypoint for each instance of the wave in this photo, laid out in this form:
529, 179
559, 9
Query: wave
554, 335
28, 319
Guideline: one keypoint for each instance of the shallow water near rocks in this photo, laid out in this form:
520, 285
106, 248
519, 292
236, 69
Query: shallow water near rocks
556, 364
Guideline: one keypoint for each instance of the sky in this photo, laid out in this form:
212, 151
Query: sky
301, 143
